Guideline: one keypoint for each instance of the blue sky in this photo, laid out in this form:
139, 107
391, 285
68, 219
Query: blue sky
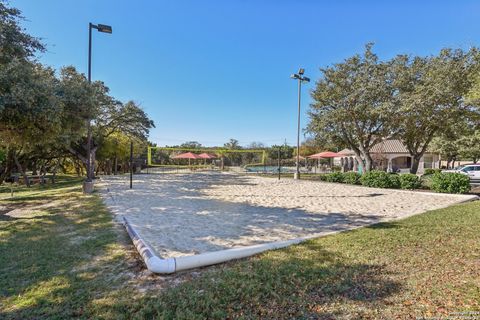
212, 70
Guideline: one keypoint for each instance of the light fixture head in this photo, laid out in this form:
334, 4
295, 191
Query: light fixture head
306, 79
104, 28
294, 76
301, 71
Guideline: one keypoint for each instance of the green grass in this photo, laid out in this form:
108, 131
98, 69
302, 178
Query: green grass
64, 259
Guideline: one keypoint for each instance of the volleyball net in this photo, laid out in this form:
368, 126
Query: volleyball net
166, 159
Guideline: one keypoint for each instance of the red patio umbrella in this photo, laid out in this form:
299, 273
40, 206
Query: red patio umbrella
324, 154
187, 155
207, 156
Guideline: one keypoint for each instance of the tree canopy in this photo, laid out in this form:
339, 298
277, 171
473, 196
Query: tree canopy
354, 104
362, 101
44, 115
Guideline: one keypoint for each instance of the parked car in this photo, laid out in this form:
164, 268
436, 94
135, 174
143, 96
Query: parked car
471, 170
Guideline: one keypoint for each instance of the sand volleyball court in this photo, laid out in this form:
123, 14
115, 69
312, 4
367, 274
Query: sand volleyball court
188, 214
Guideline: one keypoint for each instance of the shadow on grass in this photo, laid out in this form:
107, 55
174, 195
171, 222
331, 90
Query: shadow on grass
384, 225
299, 282
55, 263
61, 182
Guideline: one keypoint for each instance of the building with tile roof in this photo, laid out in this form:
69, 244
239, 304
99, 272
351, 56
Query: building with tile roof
390, 155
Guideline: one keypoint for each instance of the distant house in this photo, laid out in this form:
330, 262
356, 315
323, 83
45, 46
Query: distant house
391, 155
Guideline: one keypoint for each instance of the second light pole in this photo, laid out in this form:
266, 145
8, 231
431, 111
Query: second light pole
301, 78
88, 184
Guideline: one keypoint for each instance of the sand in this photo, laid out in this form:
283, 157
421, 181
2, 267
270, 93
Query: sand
186, 214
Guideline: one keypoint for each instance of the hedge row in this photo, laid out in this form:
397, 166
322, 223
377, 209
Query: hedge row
439, 182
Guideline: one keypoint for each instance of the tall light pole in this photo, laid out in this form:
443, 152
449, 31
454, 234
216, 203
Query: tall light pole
88, 184
301, 78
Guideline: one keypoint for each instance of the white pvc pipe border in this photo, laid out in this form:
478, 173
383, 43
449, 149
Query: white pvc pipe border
170, 265
153, 262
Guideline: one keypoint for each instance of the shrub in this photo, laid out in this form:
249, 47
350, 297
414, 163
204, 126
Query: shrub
334, 177
409, 181
431, 171
394, 180
426, 181
351, 178
380, 179
336, 168
450, 183
322, 177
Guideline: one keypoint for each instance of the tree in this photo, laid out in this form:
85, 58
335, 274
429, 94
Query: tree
15, 43
42, 116
308, 147
28, 113
256, 145
115, 151
232, 144
431, 93
84, 101
191, 145
469, 146
286, 152
354, 104
448, 149
20, 77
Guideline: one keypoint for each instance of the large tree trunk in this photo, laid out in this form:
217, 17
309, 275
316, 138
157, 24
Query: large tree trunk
22, 170
34, 168
54, 171
8, 166
43, 173
97, 170
368, 161
359, 159
415, 163
115, 165
108, 167
367, 158
91, 174
78, 168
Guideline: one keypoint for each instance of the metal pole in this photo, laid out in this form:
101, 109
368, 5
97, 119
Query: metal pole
90, 52
131, 164
298, 130
279, 168
89, 128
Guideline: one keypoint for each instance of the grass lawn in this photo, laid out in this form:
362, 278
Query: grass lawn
62, 257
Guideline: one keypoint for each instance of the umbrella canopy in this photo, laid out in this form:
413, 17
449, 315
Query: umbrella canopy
325, 154
187, 155
207, 156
